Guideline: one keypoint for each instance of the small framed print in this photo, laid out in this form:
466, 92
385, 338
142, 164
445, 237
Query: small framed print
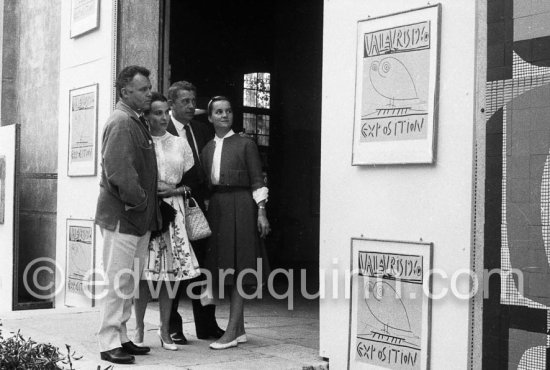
390, 305
79, 275
82, 131
396, 88
84, 16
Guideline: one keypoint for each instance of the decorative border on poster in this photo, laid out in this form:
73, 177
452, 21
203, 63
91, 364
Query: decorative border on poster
80, 263
82, 156
396, 88
84, 16
390, 306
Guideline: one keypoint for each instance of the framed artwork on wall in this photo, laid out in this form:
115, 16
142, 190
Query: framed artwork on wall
390, 304
84, 16
79, 289
396, 88
82, 131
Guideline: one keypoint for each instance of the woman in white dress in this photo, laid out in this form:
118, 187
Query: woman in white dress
171, 258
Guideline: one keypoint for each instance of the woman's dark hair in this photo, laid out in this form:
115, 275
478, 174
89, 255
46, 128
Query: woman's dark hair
155, 96
215, 99
127, 74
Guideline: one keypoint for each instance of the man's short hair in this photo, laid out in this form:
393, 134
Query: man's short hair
127, 74
180, 85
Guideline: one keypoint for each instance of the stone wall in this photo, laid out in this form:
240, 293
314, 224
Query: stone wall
30, 83
138, 36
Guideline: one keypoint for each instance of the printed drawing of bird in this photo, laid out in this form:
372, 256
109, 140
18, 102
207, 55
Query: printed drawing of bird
386, 307
391, 79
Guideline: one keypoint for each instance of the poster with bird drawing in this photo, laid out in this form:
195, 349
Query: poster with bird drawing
396, 88
389, 312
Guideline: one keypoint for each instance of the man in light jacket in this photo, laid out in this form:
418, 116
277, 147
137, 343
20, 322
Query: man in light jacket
127, 210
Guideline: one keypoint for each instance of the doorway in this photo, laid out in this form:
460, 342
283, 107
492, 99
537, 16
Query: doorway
266, 56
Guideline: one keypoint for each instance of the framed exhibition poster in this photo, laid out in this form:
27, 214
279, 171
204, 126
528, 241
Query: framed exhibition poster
82, 131
396, 88
390, 305
84, 16
79, 290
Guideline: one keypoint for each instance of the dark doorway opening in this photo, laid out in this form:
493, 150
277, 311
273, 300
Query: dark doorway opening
215, 44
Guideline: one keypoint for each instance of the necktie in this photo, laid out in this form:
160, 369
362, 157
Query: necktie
191, 142
144, 122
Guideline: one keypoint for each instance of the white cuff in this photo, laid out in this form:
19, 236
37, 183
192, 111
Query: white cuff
260, 194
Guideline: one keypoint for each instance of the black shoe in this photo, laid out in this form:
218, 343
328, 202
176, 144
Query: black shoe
178, 338
215, 333
117, 356
131, 349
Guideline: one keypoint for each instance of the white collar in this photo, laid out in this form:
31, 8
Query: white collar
179, 126
218, 139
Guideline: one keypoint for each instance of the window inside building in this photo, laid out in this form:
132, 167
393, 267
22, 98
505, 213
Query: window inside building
256, 106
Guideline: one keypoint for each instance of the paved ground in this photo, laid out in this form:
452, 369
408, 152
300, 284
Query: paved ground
278, 338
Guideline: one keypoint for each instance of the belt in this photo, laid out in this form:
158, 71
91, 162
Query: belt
227, 188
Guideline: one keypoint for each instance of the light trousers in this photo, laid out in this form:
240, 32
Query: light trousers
124, 257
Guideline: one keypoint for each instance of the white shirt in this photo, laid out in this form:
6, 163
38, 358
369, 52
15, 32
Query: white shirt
180, 128
258, 194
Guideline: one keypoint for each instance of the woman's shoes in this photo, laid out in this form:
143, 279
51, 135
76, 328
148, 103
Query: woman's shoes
234, 343
241, 339
217, 345
167, 346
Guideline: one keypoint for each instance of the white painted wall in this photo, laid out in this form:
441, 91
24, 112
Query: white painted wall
7, 149
410, 203
85, 60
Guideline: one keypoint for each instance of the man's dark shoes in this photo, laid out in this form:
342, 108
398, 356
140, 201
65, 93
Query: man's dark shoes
131, 349
215, 333
117, 356
178, 338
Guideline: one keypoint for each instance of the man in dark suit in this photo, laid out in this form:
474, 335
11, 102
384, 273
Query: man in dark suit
182, 100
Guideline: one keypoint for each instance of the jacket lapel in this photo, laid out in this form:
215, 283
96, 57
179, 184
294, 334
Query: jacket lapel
171, 128
135, 118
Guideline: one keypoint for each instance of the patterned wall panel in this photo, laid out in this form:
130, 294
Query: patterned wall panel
517, 231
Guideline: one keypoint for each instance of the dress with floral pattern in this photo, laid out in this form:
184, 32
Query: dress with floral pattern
171, 256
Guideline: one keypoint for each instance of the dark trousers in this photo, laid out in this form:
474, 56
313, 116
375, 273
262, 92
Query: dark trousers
205, 316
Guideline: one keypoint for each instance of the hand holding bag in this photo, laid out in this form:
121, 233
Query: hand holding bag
168, 214
195, 223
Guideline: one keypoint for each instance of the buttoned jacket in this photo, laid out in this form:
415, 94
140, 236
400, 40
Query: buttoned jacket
240, 164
